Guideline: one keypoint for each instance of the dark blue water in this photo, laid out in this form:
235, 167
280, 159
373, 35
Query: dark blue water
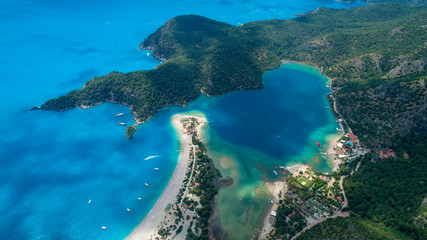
54, 163
251, 133
281, 116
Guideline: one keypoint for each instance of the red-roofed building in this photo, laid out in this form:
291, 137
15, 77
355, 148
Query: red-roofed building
351, 136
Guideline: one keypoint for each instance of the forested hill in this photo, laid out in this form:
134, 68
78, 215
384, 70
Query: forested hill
376, 54
407, 2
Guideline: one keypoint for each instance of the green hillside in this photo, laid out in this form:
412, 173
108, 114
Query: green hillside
387, 198
376, 55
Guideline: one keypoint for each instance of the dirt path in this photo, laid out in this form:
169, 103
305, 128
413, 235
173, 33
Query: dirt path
343, 193
192, 173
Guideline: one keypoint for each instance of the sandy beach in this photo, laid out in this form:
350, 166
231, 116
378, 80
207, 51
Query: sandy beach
275, 188
296, 168
280, 186
148, 228
331, 151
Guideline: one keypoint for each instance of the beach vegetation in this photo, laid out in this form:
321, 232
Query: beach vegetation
163, 232
179, 230
191, 235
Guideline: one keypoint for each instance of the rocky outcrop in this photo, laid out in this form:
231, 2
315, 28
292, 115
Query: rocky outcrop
406, 67
378, 61
356, 63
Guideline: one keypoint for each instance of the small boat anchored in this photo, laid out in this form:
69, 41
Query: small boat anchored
122, 123
157, 169
139, 199
146, 184
104, 227
90, 200
119, 114
128, 210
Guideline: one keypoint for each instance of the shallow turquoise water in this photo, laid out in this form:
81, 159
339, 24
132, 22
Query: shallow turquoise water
54, 163
252, 133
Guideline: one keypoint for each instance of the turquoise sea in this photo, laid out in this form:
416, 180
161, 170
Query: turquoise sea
53, 163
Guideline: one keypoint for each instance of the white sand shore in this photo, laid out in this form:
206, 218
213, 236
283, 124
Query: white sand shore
148, 228
296, 168
275, 188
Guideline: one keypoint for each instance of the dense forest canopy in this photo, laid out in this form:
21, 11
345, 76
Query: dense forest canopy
387, 198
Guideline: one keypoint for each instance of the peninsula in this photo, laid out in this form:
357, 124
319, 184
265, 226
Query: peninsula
376, 57
369, 49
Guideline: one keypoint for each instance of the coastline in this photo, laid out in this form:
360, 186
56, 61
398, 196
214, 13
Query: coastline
280, 186
157, 217
332, 144
332, 140
148, 228
275, 188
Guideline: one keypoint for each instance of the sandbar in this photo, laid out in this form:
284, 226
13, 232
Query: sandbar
149, 226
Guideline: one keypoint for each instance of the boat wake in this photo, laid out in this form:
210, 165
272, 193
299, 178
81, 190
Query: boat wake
151, 157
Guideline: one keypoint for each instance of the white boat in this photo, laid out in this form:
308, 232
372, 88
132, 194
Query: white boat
157, 169
146, 184
119, 114
90, 200
122, 123
128, 210
151, 157
139, 199
104, 227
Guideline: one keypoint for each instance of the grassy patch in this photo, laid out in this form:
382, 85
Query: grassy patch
303, 181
